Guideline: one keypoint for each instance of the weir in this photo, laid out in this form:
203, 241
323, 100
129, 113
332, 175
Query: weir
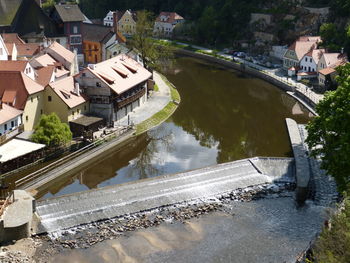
90, 206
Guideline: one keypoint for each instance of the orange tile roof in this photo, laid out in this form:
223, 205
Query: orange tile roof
65, 90
302, 47
62, 51
9, 96
27, 49
7, 113
44, 75
326, 71
9, 47
11, 65
115, 79
43, 61
14, 83
12, 38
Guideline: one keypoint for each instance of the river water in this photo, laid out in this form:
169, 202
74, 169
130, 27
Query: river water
223, 116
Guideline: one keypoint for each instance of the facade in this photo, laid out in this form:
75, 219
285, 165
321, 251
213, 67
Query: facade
114, 87
326, 67
296, 52
127, 23
10, 118
65, 99
108, 20
308, 64
166, 22
95, 39
70, 20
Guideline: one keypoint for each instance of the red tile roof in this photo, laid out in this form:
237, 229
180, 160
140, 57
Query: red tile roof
7, 113
44, 75
27, 49
11, 65
12, 38
16, 86
171, 17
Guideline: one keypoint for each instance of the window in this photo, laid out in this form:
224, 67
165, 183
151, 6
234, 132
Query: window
49, 98
75, 40
84, 74
41, 112
310, 59
305, 59
12, 124
75, 29
27, 118
6, 127
98, 84
31, 99
1, 52
84, 107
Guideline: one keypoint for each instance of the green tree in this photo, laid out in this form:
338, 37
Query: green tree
51, 131
153, 56
329, 132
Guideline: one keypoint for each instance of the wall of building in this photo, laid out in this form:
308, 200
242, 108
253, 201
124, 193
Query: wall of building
33, 110
92, 52
127, 25
3, 54
58, 106
10, 125
308, 64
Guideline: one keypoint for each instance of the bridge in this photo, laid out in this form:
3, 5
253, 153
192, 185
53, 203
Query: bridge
90, 206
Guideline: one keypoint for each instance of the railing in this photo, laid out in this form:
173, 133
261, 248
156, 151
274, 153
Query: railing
11, 134
70, 157
130, 99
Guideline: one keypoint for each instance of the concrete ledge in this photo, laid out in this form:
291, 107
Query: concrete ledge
301, 161
17, 218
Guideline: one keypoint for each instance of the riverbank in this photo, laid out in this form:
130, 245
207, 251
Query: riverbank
299, 91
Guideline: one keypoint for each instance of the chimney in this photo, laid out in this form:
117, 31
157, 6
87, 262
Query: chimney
115, 22
77, 89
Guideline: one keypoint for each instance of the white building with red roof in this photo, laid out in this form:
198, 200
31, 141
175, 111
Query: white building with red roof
326, 67
166, 22
308, 64
10, 118
115, 87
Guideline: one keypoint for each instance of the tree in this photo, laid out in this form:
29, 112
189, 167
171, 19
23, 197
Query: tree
153, 56
329, 132
51, 131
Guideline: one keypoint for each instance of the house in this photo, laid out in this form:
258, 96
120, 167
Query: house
70, 20
108, 20
297, 50
115, 87
326, 67
95, 39
10, 118
48, 69
18, 49
65, 99
26, 17
19, 65
166, 22
21, 92
308, 64
67, 58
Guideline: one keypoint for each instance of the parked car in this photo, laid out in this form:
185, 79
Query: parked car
241, 54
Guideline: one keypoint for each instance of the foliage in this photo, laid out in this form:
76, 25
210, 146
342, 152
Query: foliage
332, 37
153, 56
51, 131
329, 133
334, 242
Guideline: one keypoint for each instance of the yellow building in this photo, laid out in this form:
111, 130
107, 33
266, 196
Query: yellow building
64, 98
127, 23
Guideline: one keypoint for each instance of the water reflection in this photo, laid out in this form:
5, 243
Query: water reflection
223, 116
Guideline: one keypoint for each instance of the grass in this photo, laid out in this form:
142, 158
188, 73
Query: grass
162, 115
156, 88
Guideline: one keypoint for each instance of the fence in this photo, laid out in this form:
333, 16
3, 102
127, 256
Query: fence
91, 148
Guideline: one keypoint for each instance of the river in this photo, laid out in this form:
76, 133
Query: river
223, 116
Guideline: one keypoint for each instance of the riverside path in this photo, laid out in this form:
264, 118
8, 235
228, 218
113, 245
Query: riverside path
90, 206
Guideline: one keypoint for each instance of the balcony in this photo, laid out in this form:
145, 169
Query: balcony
130, 97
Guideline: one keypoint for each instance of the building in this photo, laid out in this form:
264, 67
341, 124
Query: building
19, 65
114, 87
65, 99
26, 17
96, 38
67, 58
125, 21
70, 20
18, 49
4, 53
308, 64
166, 22
10, 118
297, 50
21, 92
326, 67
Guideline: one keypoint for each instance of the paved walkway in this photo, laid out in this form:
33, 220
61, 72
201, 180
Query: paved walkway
154, 104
